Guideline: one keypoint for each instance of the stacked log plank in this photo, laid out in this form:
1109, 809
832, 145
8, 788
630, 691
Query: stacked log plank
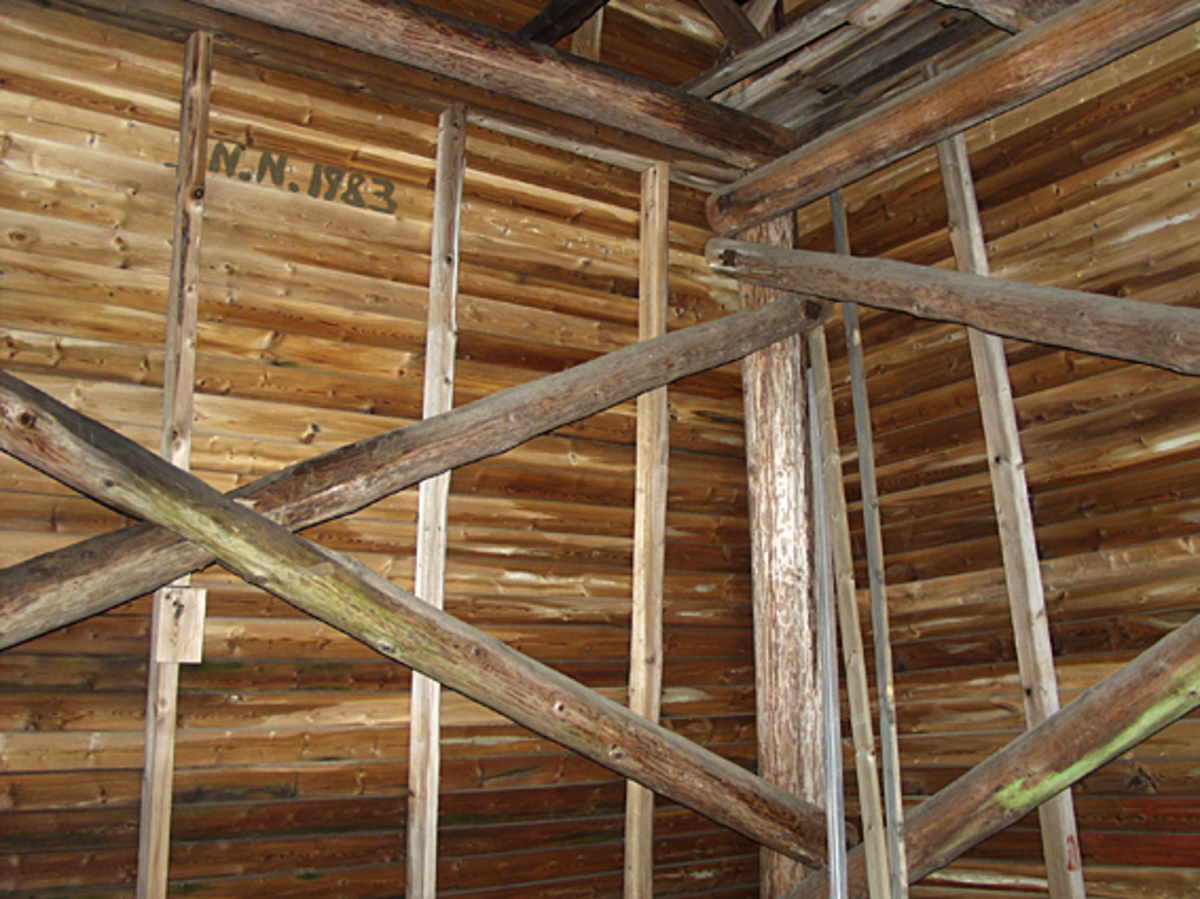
1092, 188
291, 760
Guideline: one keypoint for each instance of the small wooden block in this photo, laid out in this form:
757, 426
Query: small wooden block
179, 635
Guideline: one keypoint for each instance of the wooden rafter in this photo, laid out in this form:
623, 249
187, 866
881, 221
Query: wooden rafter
1033, 63
348, 595
434, 42
1156, 334
557, 19
733, 23
1012, 15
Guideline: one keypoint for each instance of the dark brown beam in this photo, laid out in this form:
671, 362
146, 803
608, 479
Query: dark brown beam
1156, 334
558, 19
348, 595
97, 574
1127, 707
733, 23
1073, 43
428, 40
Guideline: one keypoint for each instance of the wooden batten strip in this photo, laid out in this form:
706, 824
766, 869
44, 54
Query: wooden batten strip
1035, 62
787, 691
733, 22
827, 666
1153, 333
434, 499
178, 604
89, 456
857, 690
649, 528
872, 525
1010, 492
53, 590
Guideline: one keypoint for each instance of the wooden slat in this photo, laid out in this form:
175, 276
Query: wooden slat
1071, 44
876, 581
558, 18
416, 36
649, 534
434, 500
1060, 838
180, 602
855, 663
1012, 15
1141, 332
366, 604
786, 687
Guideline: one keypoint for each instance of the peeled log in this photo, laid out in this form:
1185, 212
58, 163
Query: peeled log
94, 575
1156, 334
346, 594
488, 58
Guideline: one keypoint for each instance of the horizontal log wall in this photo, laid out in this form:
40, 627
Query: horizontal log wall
291, 760
1091, 188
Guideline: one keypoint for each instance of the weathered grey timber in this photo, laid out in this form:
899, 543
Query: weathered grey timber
348, 595
1156, 334
58, 588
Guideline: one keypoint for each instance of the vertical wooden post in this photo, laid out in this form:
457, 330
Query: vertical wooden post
424, 758
177, 616
1035, 657
852, 643
585, 41
650, 523
893, 795
787, 689
835, 798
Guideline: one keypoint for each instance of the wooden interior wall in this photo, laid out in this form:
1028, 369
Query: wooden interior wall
291, 774
1094, 188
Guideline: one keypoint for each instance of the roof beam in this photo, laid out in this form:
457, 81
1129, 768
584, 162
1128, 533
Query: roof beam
558, 19
1153, 333
485, 57
1012, 15
1072, 43
733, 23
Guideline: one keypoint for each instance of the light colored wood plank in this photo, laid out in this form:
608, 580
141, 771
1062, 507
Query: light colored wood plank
1060, 838
872, 524
434, 499
649, 533
154, 827
586, 41
857, 690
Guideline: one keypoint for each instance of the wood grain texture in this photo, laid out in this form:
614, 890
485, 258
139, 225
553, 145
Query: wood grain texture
1142, 332
349, 595
437, 43
1065, 47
